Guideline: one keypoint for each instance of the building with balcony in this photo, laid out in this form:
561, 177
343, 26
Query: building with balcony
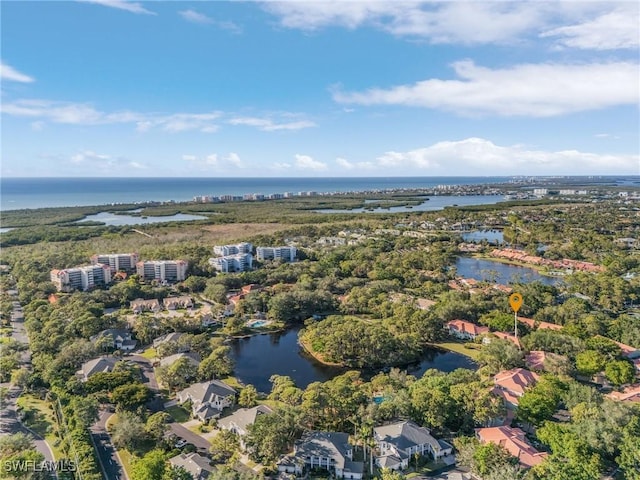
119, 262
286, 254
232, 263
162, 270
81, 278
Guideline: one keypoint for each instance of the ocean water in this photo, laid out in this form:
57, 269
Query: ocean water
19, 193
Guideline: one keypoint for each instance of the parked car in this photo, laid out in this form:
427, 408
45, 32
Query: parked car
181, 443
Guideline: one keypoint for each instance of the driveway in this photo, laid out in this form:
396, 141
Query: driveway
107, 457
201, 444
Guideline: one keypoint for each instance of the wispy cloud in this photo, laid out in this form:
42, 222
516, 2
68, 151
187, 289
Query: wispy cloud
10, 74
617, 29
214, 160
103, 162
593, 25
133, 7
269, 125
344, 163
208, 122
479, 155
193, 16
536, 90
305, 162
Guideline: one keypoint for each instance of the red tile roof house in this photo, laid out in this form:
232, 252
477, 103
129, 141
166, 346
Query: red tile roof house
511, 385
465, 330
533, 324
514, 441
536, 358
503, 336
629, 394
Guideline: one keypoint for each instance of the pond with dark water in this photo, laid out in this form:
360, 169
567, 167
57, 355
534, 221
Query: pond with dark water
260, 356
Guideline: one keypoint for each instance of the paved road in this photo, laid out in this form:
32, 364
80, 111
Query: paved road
201, 444
109, 463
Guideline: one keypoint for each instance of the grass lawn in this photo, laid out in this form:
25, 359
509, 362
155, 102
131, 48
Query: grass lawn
458, 347
41, 419
126, 459
178, 413
232, 382
149, 353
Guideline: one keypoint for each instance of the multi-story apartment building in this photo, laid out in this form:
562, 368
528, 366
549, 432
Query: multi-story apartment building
232, 263
162, 270
286, 254
81, 278
125, 262
224, 250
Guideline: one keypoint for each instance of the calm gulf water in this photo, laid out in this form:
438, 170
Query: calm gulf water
487, 270
260, 356
18, 193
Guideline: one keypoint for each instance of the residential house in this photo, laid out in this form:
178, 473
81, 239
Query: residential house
629, 394
140, 305
536, 359
514, 441
207, 398
511, 385
169, 337
115, 338
239, 421
533, 324
195, 464
502, 336
398, 442
465, 330
101, 364
192, 357
174, 303
326, 450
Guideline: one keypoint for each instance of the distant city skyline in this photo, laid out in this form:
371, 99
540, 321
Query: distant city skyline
327, 89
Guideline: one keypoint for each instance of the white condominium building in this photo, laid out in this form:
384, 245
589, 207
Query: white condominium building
125, 262
225, 250
232, 263
81, 278
162, 270
286, 254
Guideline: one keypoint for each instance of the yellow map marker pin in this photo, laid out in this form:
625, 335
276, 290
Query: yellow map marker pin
515, 300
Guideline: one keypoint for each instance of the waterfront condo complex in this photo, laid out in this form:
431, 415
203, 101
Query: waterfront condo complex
162, 270
286, 254
232, 258
119, 262
81, 278
224, 250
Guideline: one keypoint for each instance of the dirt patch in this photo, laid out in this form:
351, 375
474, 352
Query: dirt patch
234, 231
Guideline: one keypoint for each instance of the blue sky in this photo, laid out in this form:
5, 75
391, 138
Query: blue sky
348, 88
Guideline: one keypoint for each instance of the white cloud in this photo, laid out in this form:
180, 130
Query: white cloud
617, 29
85, 114
195, 17
37, 126
269, 125
8, 73
133, 7
281, 166
305, 162
106, 163
214, 160
482, 157
590, 24
344, 163
537, 90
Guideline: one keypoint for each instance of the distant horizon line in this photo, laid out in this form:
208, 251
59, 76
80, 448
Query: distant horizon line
6, 177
